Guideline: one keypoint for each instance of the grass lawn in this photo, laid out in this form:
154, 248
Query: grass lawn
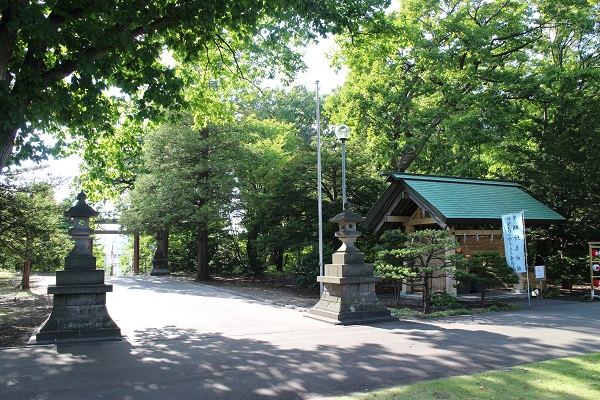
565, 378
412, 313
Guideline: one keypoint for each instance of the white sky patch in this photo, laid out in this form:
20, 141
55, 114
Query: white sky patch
319, 68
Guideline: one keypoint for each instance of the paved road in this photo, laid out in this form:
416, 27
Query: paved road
189, 341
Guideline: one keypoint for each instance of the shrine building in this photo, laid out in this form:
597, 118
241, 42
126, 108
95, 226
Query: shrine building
471, 209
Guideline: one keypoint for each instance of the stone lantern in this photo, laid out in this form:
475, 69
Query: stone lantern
349, 285
81, 256
160, 262
79, 311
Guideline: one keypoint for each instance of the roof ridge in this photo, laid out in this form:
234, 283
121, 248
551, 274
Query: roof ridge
452, 179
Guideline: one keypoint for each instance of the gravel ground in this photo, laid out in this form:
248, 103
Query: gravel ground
276, 290
22, 312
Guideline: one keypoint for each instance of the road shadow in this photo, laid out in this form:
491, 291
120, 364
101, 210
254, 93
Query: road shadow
171, 362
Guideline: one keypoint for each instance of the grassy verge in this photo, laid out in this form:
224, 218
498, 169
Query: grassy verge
411, 313
8, 282
565, 378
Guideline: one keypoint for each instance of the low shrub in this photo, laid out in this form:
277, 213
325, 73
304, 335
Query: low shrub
444, 299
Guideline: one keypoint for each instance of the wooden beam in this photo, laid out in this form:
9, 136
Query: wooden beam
396, 218
421, 221
482, 232
107, 221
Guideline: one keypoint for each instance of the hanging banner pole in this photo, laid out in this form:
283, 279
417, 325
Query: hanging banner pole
515, 247
525, 251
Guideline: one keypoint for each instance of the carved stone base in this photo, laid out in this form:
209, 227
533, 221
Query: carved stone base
160, 264
79, 314
350, 301
158, 272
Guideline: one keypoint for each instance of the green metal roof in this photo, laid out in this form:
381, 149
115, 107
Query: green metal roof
452, 201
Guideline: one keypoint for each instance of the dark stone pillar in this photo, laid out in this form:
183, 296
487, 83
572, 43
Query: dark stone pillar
349, 285
79, 312
160, 263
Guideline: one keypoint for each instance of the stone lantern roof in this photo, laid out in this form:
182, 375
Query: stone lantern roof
347, 216
81, 209
347, 221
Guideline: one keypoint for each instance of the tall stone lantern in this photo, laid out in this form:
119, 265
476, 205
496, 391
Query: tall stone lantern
79, 311
349, 285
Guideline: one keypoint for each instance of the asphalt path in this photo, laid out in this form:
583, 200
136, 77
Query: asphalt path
184, 340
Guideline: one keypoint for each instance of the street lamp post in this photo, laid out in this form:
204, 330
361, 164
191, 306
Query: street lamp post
319, 189
342, 132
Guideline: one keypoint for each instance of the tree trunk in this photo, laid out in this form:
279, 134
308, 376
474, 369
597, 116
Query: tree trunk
276, 259
203, 273
427, 292
255, 266
26, 274
482, 286
136, 253
397, 283
8, 39
7, 141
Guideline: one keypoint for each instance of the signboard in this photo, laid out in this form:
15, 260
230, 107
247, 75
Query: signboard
540, 272
513, 231
595, 263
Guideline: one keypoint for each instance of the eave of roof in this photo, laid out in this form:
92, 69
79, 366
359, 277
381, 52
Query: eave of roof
452, 201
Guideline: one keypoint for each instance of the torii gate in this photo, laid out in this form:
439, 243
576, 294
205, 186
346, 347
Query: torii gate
136, 241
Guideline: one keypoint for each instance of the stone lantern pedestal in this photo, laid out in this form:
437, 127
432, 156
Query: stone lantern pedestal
79, 311
349, 285
160, 264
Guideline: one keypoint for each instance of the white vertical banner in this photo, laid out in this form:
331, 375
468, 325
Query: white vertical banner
513, 230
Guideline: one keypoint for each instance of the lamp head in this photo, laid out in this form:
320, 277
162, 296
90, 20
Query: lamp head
342, 132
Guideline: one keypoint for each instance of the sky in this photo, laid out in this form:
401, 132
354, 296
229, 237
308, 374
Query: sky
319, 68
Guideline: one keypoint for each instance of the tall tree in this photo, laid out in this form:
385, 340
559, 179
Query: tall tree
58, 58
426, 77
278, 178
487, 269
559, 128
272, 192
31, 228
190, 182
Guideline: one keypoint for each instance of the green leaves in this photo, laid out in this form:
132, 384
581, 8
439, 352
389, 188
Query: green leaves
115, 43
416, 255
30, 226
424, 75
486, 269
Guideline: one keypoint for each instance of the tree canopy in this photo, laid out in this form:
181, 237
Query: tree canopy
57, 59
498, 89
32, 231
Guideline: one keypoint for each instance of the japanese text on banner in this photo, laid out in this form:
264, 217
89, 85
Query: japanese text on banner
514, 241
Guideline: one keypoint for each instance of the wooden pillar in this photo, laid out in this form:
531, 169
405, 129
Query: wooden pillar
407, 286
450, 280
136, 253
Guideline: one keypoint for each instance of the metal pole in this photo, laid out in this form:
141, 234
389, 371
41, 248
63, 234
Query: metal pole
136, 253
343, 174
525, 251
319, 191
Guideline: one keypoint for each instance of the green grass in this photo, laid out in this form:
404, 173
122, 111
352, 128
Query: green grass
8, 290
8, 282
565, 378
411, 313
